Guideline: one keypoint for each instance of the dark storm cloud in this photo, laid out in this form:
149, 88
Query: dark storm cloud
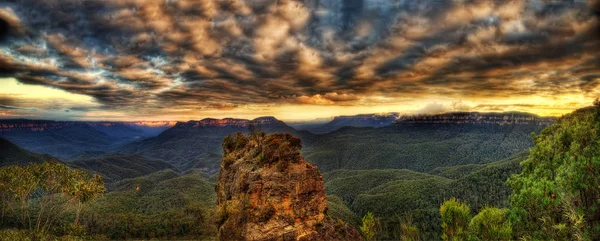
222, 55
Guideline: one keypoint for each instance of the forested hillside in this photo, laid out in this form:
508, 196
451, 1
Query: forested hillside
415, 146
116, 167
11, 154
399, 195
418, 147
161, 205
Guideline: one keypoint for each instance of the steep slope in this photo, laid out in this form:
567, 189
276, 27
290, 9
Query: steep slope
116, 167
197, 144
266, 191
11, 154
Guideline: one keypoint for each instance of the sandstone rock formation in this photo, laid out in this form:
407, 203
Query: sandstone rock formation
266, 191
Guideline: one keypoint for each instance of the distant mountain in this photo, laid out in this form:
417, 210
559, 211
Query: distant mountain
60, 139
501, 118
68, 139
309, 125
11, 154
118, 167
132, 130
363, 120
197, 144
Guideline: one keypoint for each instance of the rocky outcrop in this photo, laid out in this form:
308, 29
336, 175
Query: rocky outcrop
266, 191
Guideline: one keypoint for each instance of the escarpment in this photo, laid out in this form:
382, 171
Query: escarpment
267, 191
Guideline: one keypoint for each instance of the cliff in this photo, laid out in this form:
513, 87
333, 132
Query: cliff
266, 191
265, 121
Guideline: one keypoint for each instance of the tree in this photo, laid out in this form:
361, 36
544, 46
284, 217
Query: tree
44, 189
370, 226
17, 185
455, 219
83, 189
557, 196
490, 224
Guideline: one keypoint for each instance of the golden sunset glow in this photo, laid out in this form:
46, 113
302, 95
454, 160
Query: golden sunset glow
297, 60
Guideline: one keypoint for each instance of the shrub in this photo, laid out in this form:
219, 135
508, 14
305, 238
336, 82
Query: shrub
40, 191
281, 147
409, 231
490, 224
455, 219
370, 226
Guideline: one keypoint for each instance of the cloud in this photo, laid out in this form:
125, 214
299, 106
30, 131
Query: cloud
8, 107
433, 108
148, 56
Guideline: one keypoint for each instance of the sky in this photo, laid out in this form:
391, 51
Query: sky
295, 60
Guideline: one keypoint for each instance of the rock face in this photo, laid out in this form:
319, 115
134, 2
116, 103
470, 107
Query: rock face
266, 191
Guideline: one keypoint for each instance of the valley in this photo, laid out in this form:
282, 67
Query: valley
411, 165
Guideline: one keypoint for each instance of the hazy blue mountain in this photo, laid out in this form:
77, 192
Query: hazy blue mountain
197, 144
363, 120
69, 139
11, 154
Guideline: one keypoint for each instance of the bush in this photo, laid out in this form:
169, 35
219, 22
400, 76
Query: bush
490, 224
281, 147
39, 193
455, 220
408, 230
234, 142
370, 226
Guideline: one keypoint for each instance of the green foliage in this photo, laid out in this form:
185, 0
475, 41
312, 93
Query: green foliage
456, 172
490, 224
408, 230
234, 142
39, 192
418, 147
370, 226
116, 167
337, 209
25, 235
167, 205
486, 186
348, 184
557, 196
390, 194
278, 148
455, 217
